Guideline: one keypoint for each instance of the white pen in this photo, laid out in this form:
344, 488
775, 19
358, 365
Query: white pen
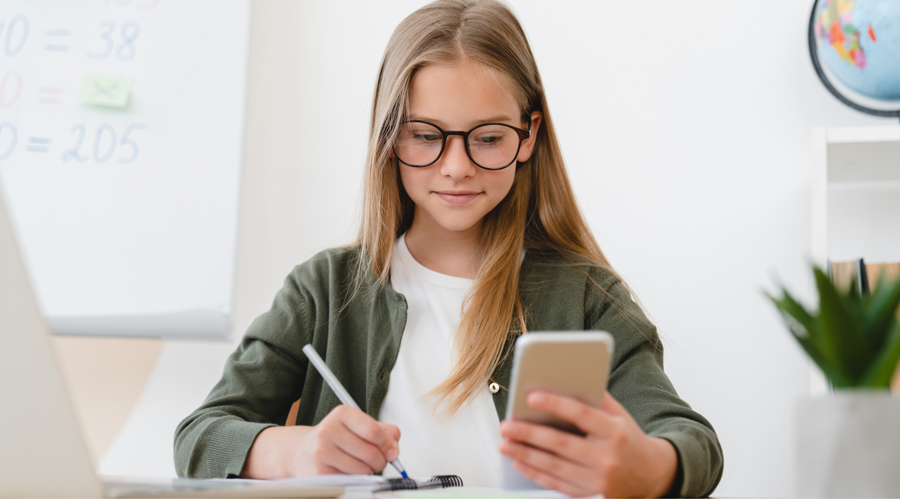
339, 390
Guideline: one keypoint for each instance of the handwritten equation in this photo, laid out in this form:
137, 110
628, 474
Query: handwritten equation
105, 143
24, 95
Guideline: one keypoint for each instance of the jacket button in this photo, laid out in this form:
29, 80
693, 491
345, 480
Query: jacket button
494, 387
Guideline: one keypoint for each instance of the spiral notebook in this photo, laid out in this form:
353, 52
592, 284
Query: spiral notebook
435, 482
375, 483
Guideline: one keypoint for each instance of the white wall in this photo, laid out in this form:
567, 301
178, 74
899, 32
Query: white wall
686, 127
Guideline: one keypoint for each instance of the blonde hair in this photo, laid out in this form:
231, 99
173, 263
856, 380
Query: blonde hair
539, 213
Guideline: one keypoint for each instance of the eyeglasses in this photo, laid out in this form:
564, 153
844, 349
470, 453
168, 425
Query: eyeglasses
492, 146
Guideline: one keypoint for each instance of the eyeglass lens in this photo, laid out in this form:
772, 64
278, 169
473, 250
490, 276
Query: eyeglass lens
489, 146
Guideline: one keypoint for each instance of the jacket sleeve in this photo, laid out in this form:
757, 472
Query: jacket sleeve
638, 382
261, 380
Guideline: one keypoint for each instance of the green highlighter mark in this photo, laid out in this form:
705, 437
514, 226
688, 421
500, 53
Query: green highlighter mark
105, 91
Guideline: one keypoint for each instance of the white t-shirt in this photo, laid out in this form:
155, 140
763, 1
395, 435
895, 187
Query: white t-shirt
430, 443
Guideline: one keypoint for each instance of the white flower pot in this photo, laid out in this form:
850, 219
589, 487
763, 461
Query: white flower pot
848, 445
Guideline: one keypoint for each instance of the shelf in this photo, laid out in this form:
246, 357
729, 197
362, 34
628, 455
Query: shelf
844, 156
855, 200
853, 135
863, 154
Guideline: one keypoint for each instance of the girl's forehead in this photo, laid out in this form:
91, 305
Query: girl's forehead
462, 93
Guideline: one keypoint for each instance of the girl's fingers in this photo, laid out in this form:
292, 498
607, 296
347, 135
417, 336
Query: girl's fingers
368, 429
547, 481
544, 468
365, 452
325, 469
345, 463
588, 419
571, 447
392, 431
612, 406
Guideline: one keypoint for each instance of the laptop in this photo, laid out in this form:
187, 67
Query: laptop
42, 449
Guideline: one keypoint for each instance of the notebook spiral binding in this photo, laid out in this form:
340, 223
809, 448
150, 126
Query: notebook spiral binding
448, 480
399, 484
439, 481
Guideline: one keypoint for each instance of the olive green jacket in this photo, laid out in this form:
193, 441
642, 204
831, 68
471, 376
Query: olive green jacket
359, 339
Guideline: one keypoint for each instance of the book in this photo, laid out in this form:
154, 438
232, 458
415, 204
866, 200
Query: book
847, 274
878, 271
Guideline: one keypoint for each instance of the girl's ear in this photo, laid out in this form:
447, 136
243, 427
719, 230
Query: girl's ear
527, 146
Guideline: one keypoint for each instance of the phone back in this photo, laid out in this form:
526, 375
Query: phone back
574, 364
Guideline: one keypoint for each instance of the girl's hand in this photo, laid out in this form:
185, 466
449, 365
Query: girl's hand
615, 458
347, 441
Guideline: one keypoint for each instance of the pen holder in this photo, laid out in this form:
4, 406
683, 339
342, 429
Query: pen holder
848, 445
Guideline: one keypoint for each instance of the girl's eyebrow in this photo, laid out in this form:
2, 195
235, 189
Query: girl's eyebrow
500, 118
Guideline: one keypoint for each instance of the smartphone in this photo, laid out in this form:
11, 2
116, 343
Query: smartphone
574, 364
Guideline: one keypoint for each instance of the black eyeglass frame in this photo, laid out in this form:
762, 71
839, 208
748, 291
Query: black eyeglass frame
523, 134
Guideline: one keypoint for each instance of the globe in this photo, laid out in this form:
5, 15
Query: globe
858, 43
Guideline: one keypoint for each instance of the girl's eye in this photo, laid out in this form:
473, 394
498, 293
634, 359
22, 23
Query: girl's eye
427, 136
492, 139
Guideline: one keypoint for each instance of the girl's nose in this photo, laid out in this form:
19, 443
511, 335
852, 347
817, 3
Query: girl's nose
455, 163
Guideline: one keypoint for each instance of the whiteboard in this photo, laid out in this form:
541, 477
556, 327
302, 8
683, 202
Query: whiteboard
127, 216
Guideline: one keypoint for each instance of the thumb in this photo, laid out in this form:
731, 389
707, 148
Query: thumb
393, 441
392, 431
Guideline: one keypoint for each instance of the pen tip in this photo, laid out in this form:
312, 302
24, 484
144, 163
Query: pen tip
399, 467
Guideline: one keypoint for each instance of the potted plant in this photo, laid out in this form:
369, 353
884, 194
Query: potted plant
848, 442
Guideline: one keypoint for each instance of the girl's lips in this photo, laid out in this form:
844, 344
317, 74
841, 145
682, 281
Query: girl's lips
461, 197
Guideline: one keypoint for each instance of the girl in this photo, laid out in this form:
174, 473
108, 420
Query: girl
470, 237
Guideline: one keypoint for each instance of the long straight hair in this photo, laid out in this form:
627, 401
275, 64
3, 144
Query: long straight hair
539, 213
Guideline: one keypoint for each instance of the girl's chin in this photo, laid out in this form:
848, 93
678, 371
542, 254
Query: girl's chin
452, 219
457, 227
457, 224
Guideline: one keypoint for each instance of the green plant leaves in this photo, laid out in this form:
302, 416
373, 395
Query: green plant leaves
803, 326
840, 330
882, 370
854, 339
881, 316
881, 308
